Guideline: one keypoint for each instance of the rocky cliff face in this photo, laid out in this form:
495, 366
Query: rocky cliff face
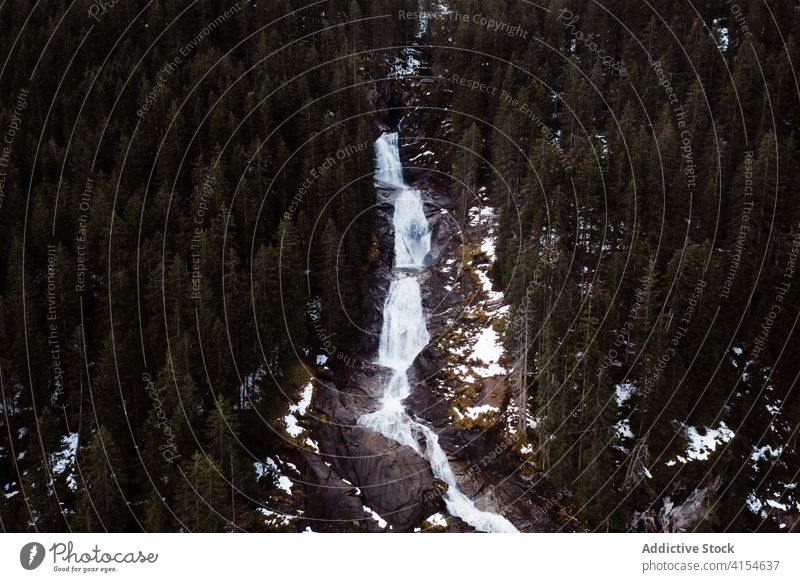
678, 513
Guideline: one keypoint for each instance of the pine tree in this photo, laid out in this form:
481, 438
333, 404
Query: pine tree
331, 282
292, 290
202, 502
222, 436
466, 166
102, 503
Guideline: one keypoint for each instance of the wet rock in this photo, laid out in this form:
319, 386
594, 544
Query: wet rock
393, 479
330, 503
429, 406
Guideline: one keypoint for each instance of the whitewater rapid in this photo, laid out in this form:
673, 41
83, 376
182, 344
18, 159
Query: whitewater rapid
404, 335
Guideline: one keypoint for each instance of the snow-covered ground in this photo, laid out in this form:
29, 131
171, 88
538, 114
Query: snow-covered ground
284, 474
277, 469
63, 460
473, 345
374, 515
298, 410
701, 443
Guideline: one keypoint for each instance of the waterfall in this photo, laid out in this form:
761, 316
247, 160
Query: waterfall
404, 335
387, 154
412, 234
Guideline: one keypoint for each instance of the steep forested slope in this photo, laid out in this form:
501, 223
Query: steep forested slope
644, 161
194, 259
174, 175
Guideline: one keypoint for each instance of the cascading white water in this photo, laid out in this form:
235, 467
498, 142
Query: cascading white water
404, 335
389, 169
412, 234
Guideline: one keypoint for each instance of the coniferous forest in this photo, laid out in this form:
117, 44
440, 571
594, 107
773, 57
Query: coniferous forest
263, 265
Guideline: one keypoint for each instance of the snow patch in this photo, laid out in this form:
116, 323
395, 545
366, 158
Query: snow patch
64, 459
425, 153
374, 515
312, 444
753, 503
274, 518
271, 467
488, 248
437, 520
765, 453
623, 429
623, 392
8, 492
488, 351
474, 412
700, 446
299, 409
776, 505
